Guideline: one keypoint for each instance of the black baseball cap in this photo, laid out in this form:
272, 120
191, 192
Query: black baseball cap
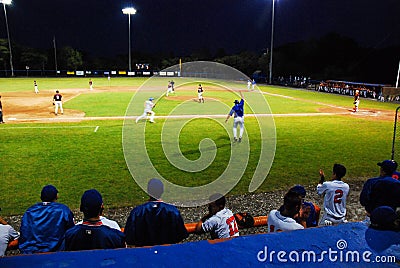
49, 193
389, 166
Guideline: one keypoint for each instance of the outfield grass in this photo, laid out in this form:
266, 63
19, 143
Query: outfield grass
76, 157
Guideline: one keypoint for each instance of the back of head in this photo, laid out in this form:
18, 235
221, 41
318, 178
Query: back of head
91, 203
299, 189
339, 170
383, 218
292, 203
388, 167
218, 199
155, 188
49, 193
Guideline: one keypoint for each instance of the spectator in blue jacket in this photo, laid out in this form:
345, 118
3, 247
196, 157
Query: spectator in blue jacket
92, 233
44, 224
154, 222
382, 190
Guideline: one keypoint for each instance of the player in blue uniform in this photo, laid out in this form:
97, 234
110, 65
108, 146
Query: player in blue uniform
92, 233
155, 222
238, 112
44, 224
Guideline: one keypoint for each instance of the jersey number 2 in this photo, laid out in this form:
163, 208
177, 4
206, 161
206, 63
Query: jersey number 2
338, 196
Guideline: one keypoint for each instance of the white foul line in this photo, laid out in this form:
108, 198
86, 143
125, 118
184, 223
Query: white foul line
95, 130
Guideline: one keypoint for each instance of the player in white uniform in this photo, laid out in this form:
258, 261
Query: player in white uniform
36, 87
335, 194
170, 88
248, 84
200, 93
220, 221
282, 220
57, 101
148, 109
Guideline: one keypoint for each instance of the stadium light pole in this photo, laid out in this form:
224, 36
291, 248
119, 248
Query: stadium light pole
129, 11
8, 2
272, 41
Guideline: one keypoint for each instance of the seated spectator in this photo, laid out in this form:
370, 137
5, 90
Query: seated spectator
92, 233
335, 194
220, 221
44, 224
396, 174
382, 190
309, 212
282, 219
154, 222
385, 218
7, 234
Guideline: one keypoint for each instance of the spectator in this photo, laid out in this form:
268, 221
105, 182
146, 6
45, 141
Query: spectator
282, 219
154, 222
44, 224
219, 221
396, 174
309, 212
92, 233
382, 190
385, 218
7, 234
335, 193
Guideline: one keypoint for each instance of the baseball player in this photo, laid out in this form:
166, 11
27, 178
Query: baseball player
253, 84
200, 94
248, 84
36, 87
356, 101
148, 109
238, 112
335, 194
90, 84
282, 219
1, 112
219, 221
57, 101
170, 88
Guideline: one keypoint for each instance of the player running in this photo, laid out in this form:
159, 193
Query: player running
238, 111
335, 194
148, 109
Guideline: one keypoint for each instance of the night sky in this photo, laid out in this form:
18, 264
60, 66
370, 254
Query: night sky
182, 26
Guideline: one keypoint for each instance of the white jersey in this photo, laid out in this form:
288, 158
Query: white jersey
277, 223
221, 225
148, 106
334, 200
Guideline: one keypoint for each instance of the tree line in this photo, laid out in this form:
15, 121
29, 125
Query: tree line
330, 57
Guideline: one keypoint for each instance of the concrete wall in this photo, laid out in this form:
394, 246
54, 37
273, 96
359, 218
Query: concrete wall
348, 245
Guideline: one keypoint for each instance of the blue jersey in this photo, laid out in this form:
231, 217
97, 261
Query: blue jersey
43, 226
154, 223
238, 109
93, 235
380, 191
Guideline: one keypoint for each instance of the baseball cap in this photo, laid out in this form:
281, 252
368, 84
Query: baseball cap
236, 102
299, 189
383, 217
91, 202
150, 99
155, 188
49, 193
388, 166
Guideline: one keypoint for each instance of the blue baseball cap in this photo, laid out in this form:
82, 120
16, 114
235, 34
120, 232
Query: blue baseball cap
151, 98
383, 217
389, 166
299, 189
91, 202
49, 193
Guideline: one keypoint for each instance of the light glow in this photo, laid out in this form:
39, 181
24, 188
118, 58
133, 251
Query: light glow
6, 2
128, 10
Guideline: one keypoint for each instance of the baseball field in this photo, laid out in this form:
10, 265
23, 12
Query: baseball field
87, 146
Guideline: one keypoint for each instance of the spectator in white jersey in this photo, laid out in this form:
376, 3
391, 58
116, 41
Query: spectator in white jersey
283, 219
335, 193
220, 221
